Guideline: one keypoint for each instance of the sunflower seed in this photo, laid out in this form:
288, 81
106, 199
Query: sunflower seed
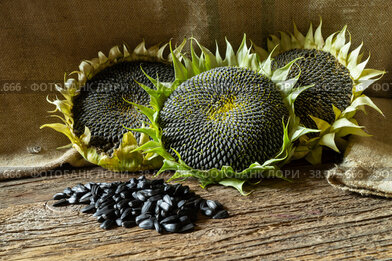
88, 209
79, 188
214, 204
116, 198
100, 211
208, 212
136, 211
68, 191
126, 214
168, 199
135, 203
107, 224
60, 195
122, 204
147, 207
73, 199
61, 202
184, 219
164, 206
147, 224
119, 222
221, 214
120, 188
154, 198
86, 198
128, 223
109, 214
100, 219
157, 182
170, 219
142, 217
171, 227
125, 194
187, 228
181, 203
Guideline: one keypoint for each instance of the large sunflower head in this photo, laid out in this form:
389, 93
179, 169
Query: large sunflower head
339, 77
95, 109
223, 120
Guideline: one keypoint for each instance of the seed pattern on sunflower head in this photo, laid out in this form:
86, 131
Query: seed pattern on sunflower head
101, 104
227, 116
223, 120
332, 84
339, 76
95, 110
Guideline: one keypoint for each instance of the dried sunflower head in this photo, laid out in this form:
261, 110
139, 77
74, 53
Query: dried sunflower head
339, 77
223, 120
95, 109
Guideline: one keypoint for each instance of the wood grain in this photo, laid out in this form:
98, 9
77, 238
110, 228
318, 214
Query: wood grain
304, 219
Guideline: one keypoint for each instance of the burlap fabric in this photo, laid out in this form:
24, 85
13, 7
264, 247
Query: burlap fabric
40, 40
367, 164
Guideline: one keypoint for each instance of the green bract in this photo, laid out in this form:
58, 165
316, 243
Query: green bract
198, 64
335, 115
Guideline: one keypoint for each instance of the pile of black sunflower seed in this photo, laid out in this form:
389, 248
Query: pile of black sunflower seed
150, 204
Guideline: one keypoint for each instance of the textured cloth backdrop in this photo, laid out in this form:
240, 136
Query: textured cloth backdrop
40, 40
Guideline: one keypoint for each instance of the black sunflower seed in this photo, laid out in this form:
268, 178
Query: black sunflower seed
122, 204
59, 195
187, 228
170, 219
120, 188
128, 223
109, 214
136, 211
117, 198
184, 219
126, 214
142, 217
155, 198
100, 211
88, 209
61, 202
147, 207
79, 188
86, 198
164, 206
119, 222
89, 185
214, 204
181, 203
68, 191
147, 223
172, 227
168, 199
73, 199
135, 203
100, 219
208, 212
157, 182
157, 226
108, 224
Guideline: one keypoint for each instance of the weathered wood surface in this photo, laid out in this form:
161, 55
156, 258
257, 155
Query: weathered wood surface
306, 219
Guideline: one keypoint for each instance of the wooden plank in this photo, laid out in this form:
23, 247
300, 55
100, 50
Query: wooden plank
306, 219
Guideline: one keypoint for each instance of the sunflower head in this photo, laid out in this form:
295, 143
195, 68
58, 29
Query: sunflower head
223, 120
339, 77
95, 111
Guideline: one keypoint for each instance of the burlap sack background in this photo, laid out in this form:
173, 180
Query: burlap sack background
40, 40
